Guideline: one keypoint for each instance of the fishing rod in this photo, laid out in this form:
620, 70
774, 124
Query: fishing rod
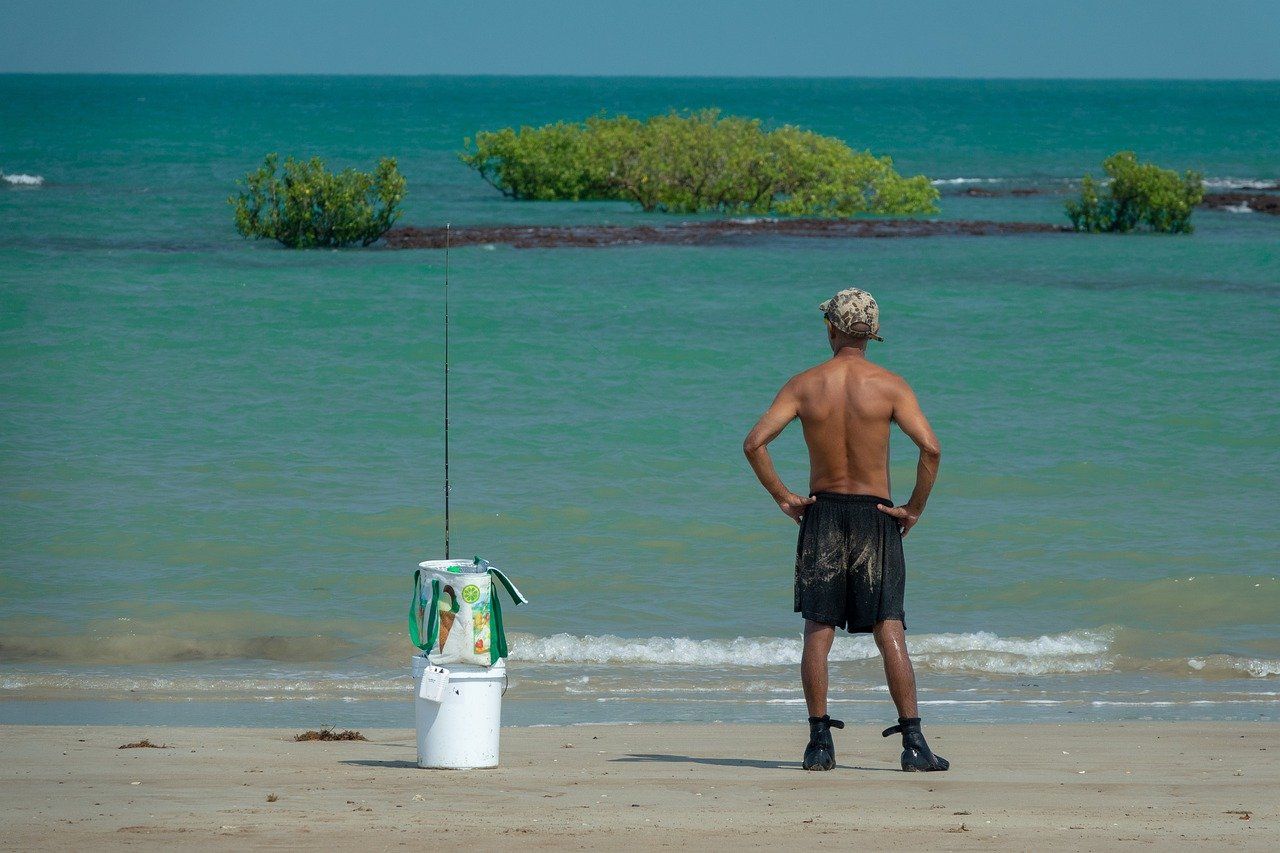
446, 390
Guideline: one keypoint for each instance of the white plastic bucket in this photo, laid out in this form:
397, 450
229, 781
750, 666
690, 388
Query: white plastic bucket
460, 732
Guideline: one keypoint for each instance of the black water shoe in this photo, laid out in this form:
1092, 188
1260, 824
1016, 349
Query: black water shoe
820, 754
916, 755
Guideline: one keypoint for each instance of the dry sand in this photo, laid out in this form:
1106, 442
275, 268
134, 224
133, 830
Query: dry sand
1082, 786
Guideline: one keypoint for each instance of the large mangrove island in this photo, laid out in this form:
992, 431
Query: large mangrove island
696, 162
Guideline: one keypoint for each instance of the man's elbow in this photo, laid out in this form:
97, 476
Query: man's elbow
754, 443
931, 450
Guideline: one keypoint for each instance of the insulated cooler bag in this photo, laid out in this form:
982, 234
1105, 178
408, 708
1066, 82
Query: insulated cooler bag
455, 615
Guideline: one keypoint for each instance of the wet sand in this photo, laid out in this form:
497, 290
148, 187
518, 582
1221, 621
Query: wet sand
1082, 786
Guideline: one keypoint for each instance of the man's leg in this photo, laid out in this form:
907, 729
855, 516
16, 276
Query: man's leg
813, 665
892, 641
820, 754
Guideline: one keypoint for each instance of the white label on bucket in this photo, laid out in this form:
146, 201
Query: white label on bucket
434, 681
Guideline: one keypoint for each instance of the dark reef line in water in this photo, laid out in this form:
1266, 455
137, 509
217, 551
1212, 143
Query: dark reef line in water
1256, 202
703, 233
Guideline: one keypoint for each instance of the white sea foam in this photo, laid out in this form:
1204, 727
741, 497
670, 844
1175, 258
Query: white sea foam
1009, 664
1242, 207
1242, 183
1209, 183
1257, 667
937, 182
1076, 651
1229, 665
24, 180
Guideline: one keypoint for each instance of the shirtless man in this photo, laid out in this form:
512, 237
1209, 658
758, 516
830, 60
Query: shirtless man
850, 572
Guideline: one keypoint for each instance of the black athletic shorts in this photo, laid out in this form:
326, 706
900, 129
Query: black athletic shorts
850, 571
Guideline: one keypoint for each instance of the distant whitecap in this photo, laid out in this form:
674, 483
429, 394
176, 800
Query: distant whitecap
940, 181
1242, 183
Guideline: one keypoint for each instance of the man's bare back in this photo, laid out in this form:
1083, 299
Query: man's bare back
845, 406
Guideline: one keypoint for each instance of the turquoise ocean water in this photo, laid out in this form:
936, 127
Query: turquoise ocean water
220, 460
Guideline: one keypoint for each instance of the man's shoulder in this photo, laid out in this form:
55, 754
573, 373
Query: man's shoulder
882, 383
868, 370
880, 378
807, 376
887, 376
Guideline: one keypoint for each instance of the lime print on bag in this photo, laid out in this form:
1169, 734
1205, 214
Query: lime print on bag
455, 615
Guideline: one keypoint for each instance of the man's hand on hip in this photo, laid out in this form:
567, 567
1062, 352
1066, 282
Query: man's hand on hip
907, 518
794, 506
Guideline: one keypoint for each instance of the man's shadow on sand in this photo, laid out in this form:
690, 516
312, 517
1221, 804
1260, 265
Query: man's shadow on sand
735, 762
757, 763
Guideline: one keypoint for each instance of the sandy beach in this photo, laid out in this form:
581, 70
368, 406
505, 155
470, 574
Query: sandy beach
1081, 786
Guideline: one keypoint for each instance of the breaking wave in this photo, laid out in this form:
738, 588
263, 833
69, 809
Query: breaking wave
1081, 652
1242, 183
23, 180
1256, 667
1076, 651
1227, 183
938, 182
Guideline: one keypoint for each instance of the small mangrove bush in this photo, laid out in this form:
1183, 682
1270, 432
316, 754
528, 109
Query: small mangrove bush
693, 163
1137, 195
304, 205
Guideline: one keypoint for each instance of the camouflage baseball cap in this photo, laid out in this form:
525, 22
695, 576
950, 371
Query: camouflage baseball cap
854, 312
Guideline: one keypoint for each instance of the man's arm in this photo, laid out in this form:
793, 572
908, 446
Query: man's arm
910, 418
784, 410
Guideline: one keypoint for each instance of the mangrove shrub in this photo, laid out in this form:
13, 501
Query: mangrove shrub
1136, 195
304, 205
693, 163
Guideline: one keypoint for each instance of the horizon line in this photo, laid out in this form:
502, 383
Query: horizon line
573, 76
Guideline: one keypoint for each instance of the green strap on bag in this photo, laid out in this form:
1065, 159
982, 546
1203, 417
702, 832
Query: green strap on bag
433, 618
498, 634
508, 585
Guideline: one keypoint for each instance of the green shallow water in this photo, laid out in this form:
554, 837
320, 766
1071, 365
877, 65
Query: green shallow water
221, 459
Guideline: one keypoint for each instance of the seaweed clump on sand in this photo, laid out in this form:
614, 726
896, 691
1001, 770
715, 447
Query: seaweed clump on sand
328, 733
144, 744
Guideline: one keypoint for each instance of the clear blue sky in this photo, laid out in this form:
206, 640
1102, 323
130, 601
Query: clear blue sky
891, 38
